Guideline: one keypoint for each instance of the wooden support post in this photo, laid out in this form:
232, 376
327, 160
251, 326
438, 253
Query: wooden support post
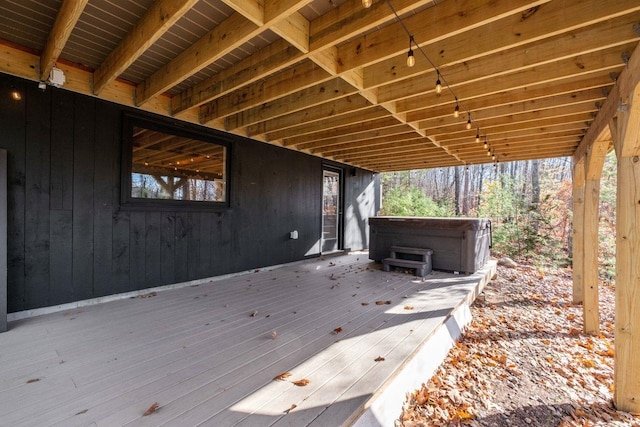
593, 173
627, 331
3, 240
578, 231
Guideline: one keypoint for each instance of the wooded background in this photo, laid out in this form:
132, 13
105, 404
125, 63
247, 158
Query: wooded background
529, 203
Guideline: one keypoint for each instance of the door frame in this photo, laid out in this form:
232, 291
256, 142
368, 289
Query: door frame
341, 187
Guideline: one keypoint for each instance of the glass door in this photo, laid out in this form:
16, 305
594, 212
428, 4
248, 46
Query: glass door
330, 211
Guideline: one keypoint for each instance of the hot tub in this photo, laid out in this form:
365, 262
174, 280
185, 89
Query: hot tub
459, 244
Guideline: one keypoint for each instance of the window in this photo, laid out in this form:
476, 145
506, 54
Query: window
174, 165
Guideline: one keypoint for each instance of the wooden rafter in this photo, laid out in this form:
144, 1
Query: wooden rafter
68, 15
334, 81
159, 18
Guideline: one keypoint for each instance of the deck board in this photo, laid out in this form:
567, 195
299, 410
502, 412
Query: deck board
199, 353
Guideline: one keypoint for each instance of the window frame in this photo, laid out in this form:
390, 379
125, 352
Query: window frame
181, 129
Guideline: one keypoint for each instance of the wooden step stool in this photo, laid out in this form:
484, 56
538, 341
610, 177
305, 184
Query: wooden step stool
422, 267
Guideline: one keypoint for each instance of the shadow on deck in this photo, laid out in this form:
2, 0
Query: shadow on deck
208, 353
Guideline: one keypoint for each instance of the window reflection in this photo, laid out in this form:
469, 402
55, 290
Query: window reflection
172, 167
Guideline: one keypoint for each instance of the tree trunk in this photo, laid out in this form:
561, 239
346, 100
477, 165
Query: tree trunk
535, 193
456, 179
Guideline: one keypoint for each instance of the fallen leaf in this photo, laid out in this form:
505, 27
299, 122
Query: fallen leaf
408, 307
379, 359
282, 376
387, 302
301, 383
364, 303
153, 408
33, 380
84, 411
254, 313
337, 330
379, 302
274, 334
291, 408
149, 295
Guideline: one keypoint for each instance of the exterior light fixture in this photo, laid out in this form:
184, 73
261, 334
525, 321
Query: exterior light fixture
456, 111
438, 85
15, 94
367, 3
469, 122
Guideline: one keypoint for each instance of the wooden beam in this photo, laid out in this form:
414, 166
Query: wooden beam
20, 63
313, 96
527, 119
389, 132
577, 250
65, 22
342, 131
466, 63
362, 112
300, 77
339, 112
350, 18
268, 60
593, 172
598, 82
345, 21
626, 83
591, 64
444, 21
253, 10
231, 33
507, 140
583, 101
161, 16
627, 314
294, 29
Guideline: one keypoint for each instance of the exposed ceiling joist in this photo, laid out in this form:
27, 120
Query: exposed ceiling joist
332, 80
68, 15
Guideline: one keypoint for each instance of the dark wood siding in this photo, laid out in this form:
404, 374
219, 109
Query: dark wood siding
70, 239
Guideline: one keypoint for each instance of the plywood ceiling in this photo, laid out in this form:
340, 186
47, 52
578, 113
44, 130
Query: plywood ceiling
330, 77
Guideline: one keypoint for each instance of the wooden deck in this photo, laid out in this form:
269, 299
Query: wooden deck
207, 354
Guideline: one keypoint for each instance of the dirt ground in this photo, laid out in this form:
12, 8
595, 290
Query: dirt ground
524, 361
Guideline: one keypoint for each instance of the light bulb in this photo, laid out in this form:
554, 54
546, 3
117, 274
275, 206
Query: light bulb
486, 145
15, 95
469, 123
477, 137
456, 111
438, 86
493, 157
411, 60
367, 3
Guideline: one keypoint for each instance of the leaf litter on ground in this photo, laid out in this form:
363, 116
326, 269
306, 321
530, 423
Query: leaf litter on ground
524, 361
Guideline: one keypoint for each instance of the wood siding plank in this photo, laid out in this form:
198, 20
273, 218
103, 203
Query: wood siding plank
13, 125
83, 198
37, 154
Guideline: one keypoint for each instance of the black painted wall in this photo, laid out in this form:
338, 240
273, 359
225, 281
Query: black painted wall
69, 238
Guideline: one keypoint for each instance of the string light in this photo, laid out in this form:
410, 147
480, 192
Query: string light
411, 60
486, 145
15, 94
